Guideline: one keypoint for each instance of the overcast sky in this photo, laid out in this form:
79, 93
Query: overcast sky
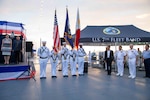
38, 15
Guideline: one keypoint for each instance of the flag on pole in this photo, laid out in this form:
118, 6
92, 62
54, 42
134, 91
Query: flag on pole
9, 27
56, 36
77, 36
67, 31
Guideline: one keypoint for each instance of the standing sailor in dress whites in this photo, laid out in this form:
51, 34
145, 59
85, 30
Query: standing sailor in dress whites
65, 58
120, 60
81, 54
54, 61
73, 61
146, 60
43, 53
132, 55
139, 62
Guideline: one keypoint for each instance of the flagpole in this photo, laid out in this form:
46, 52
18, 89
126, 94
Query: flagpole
66, 6
40, 42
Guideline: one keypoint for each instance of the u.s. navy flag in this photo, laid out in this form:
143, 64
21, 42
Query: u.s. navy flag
67, 31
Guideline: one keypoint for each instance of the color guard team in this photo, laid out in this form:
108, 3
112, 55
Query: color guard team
66, 56
73, 57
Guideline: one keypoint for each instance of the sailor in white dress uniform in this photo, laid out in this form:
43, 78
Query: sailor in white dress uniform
81, 54
120, 59
54, 62
132, 55
65, 60
43, 53
73, 61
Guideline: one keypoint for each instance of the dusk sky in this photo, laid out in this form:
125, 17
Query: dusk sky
38, 15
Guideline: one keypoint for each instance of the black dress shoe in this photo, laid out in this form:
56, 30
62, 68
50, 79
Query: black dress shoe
81, 74
65, 75
74, 75
54, 76
41, 77
44, 77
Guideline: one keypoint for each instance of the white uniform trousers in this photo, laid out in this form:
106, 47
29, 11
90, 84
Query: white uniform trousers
53, 68
120, 67
139, 62
132, 67
43, 64
65, 67
80, 65
73, 67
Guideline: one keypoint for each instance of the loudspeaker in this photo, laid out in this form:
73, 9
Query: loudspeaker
29, 46
62, 40
85, 67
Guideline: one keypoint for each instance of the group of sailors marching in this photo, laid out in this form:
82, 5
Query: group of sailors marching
65, 55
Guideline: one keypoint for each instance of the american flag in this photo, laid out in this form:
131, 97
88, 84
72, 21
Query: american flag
77, 36
56, 36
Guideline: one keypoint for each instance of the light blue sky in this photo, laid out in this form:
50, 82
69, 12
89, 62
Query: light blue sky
38, 15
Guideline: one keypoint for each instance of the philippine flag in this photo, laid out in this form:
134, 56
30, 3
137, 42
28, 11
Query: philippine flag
77, 36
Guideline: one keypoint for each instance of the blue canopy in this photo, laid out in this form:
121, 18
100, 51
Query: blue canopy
113, 34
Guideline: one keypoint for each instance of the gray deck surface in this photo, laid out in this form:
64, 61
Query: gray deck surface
96, 85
